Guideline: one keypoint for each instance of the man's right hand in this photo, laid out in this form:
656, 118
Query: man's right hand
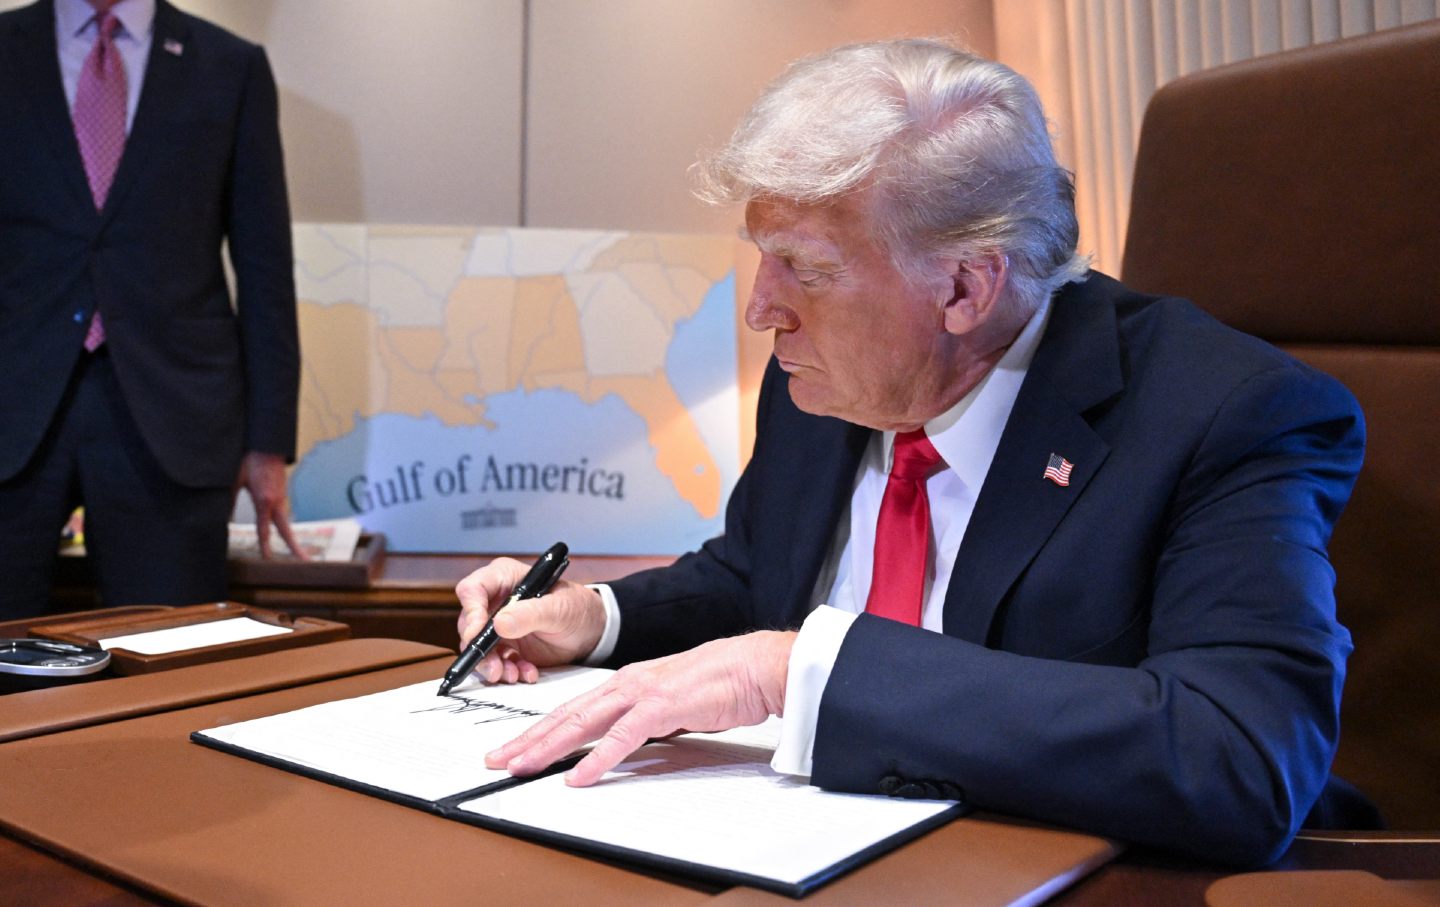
559, 627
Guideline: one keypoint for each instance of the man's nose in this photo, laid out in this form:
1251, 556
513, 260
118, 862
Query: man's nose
766, 309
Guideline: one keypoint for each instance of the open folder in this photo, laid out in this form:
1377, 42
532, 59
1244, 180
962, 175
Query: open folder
703, 805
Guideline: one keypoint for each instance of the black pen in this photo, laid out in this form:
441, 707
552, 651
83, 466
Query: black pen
535, 584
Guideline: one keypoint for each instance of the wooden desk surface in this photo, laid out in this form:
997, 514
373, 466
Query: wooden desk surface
1155, 879
149, 818
141, 803
414, 595
415, 577
134, 811
33, 876
47, 711
417, 591
430, 571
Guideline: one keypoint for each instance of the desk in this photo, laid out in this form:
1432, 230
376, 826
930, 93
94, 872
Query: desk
48, 711
1153, 880
35, 877
31, 876
413, 597
149, 817
165, 820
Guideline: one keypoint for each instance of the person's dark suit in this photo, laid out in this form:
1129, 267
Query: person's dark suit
1149, 653
201, 382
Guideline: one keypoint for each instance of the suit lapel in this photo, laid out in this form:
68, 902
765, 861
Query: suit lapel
817, 485
829, 483
1076, 367
165, 79
33, 46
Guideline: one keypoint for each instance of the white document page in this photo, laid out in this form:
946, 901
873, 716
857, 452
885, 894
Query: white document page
712, 800
193, 636
411, 741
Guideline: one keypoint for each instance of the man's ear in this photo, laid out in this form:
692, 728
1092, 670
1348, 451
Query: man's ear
975, 286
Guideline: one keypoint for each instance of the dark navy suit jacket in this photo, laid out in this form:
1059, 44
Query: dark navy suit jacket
1150, 653
202, 165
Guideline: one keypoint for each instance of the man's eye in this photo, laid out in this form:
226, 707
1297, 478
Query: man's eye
808, 278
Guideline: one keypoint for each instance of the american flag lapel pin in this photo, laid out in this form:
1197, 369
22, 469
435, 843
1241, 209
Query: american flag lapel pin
1058, 470
173, 47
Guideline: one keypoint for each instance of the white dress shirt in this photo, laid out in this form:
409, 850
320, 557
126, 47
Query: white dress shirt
966, 436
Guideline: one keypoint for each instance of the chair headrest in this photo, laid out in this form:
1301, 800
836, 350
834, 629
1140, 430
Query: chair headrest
1297, 196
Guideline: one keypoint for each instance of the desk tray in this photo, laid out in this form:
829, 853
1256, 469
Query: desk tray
304, 631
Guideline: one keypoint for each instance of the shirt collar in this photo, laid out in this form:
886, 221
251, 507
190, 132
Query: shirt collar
988, 402
137, 17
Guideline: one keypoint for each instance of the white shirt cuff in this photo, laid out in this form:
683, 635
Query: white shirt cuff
606, 646
811, 660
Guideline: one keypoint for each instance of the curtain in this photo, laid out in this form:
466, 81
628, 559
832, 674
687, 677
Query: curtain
1096, 63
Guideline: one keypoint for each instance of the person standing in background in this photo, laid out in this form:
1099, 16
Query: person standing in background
138, 141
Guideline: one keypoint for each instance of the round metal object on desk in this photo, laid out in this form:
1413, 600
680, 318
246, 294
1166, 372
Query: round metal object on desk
31, 664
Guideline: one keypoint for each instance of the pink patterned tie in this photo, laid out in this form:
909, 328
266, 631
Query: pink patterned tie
902, 535
99, 117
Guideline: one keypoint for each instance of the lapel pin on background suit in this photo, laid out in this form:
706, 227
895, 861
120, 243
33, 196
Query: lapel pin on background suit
1058, 470
173, 47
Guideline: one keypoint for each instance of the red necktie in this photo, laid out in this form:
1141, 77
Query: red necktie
902, 535
99, 117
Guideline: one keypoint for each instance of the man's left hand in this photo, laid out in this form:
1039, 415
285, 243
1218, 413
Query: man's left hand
720, 685
263, 475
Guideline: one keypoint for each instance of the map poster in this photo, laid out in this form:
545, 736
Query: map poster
497, 390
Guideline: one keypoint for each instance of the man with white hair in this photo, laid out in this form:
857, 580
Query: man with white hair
1011, 533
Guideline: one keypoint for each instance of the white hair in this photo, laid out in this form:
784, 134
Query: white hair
956, 147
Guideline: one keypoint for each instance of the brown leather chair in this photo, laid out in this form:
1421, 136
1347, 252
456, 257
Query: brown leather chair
1296, 197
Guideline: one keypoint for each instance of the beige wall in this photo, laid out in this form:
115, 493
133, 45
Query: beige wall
623, 93
393, 112
416, 111
586, 113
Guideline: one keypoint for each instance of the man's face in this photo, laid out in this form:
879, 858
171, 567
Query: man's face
858, 341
